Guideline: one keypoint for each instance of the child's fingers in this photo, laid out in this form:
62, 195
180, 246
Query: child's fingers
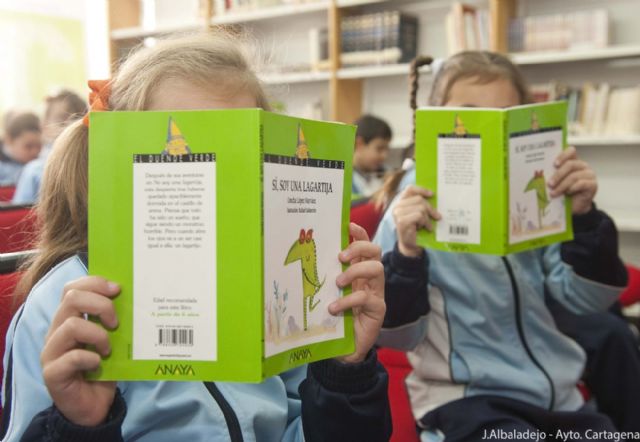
75, 332
582, 185
95, 284
363, 250
417, 190
567, 154
372, 271
61, 370
563, 186
355, 299
414, 219
567, 168
76, 302
358, 233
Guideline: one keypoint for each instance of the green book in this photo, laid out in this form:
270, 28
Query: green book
223, 229
488, 169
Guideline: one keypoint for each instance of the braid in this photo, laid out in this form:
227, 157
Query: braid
414, 75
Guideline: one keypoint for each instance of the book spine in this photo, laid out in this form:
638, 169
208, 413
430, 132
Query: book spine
505, 221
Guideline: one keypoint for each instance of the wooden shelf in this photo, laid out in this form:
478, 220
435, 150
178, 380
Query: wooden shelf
295, 77
382, 70
139, 32
271, 12
604, 140
626, 220
531, 58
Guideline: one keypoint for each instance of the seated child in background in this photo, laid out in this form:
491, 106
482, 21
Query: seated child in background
50, 344
373, 136
486, 353
62, 109
22, 143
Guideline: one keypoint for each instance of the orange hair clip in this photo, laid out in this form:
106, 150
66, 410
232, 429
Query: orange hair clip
98, 97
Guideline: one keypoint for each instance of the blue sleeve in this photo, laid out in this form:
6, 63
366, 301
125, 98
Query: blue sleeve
586, 275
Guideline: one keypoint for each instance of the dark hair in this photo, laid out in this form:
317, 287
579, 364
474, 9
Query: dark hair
370, 127
19, 123
75, 106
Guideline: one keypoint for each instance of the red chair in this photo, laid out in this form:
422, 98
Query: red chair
631, 294
17, 228
6, 193
398, 367
365, 214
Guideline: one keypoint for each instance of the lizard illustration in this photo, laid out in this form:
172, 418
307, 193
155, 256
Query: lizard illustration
538, 184
304, 250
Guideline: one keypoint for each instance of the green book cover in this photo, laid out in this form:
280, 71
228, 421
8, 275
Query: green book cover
223, 229
488, 169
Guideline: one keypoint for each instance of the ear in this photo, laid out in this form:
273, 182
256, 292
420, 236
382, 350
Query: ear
360, 142
302, 236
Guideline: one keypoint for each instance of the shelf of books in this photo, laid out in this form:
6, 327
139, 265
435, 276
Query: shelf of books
242, 12
382, 70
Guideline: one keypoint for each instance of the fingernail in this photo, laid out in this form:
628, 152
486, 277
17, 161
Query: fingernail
551, 183
332, 308
345, 255
113, 287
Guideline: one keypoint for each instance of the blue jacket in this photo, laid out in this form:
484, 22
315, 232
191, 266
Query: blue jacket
478, 324
325, 401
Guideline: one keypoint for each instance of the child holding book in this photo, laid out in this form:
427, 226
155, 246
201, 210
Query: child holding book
46, 396
373, 136
22, 143
488, 360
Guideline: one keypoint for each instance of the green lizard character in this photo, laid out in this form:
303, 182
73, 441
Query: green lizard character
304, 249
539, 184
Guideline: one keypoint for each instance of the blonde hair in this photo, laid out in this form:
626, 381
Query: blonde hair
482, 66
214, 59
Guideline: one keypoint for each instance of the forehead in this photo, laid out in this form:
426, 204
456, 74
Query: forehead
498, 93
179, 94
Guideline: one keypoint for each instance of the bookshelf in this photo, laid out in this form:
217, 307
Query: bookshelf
346, 92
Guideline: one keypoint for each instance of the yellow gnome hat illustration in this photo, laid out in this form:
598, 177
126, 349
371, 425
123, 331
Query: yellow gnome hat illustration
459, 127
535, 124
302, 150
176, 144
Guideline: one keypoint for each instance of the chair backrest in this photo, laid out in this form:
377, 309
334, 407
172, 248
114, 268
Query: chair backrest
398, 367
17, 228
6, 193
631, 294
365, 214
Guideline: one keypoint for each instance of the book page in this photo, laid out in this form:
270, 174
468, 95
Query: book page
174, 257
459, 178
302, 239
532, 211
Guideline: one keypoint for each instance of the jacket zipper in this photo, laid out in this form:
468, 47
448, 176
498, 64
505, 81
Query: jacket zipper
516, 296
233, 424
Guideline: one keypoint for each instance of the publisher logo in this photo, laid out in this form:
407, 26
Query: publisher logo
299, 355
175, 369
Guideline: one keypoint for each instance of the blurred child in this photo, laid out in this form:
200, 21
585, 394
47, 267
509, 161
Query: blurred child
62, 109
373, 136
488, 360
22, 143
51, 345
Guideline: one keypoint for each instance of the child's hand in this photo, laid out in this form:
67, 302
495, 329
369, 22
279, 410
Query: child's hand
574, 178
412, 212
64, 357
366, 276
